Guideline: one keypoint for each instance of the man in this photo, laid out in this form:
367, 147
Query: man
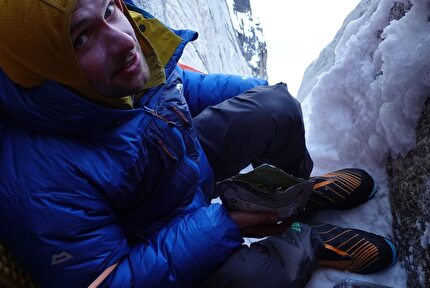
110, 150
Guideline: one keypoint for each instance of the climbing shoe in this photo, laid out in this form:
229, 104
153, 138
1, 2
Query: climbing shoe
340, 190
354, 250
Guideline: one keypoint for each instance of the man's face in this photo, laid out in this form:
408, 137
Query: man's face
107, 48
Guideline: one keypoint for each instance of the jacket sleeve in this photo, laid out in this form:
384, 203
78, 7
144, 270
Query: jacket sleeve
203, 90
184, 252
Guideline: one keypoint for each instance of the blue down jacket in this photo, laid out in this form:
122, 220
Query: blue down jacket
84, 186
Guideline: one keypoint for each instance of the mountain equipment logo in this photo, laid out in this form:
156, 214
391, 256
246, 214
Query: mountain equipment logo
60, 258
180, 87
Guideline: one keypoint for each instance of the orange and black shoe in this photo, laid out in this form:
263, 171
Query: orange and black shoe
354, 250
340, 190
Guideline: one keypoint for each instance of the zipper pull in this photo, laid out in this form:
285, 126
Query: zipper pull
181, 115
155, 113
165, 149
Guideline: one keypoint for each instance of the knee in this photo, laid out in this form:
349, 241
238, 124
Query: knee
283, 103
276, 103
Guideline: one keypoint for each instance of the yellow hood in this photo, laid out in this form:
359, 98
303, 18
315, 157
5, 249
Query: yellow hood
35, 46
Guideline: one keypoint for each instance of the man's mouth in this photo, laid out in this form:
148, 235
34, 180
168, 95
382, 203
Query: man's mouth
131, 65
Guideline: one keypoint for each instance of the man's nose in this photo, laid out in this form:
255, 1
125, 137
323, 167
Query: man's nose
119, 41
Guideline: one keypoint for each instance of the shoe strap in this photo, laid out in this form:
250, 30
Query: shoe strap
338, 251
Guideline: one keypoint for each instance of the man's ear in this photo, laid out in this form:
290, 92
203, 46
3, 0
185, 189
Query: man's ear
120, 5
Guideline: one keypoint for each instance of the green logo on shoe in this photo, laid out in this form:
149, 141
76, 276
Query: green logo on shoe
296, 227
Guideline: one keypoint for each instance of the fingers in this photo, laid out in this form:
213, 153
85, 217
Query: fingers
259, 225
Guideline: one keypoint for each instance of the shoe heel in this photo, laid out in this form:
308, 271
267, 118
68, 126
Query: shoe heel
393, 250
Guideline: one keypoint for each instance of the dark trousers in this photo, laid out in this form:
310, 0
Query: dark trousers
262, 125
283, 261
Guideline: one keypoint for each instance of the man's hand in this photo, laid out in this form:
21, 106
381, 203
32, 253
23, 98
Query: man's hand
258, 225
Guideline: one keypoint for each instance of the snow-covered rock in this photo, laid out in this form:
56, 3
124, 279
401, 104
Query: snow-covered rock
364, 103
230, 39
250, 36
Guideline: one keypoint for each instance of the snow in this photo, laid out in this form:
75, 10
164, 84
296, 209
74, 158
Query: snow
366, 105
296, 32
425, 239
249, 26
255, 60
245, 22
371, 99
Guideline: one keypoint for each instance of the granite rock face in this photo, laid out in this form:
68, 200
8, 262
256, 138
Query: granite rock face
230, 40
250, 36
409, 183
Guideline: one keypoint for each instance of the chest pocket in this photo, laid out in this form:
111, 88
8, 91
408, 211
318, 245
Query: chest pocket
185, 127
175, 109
168, 184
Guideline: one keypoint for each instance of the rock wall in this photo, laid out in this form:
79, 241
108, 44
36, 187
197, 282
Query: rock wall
409, 183
229, 40
249, 36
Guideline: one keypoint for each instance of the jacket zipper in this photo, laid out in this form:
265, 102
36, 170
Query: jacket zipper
180, 114
165, 149
193, 165
155, 113
172, 124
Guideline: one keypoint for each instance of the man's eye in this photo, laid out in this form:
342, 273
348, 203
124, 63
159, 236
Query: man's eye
110, 10
81, 40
